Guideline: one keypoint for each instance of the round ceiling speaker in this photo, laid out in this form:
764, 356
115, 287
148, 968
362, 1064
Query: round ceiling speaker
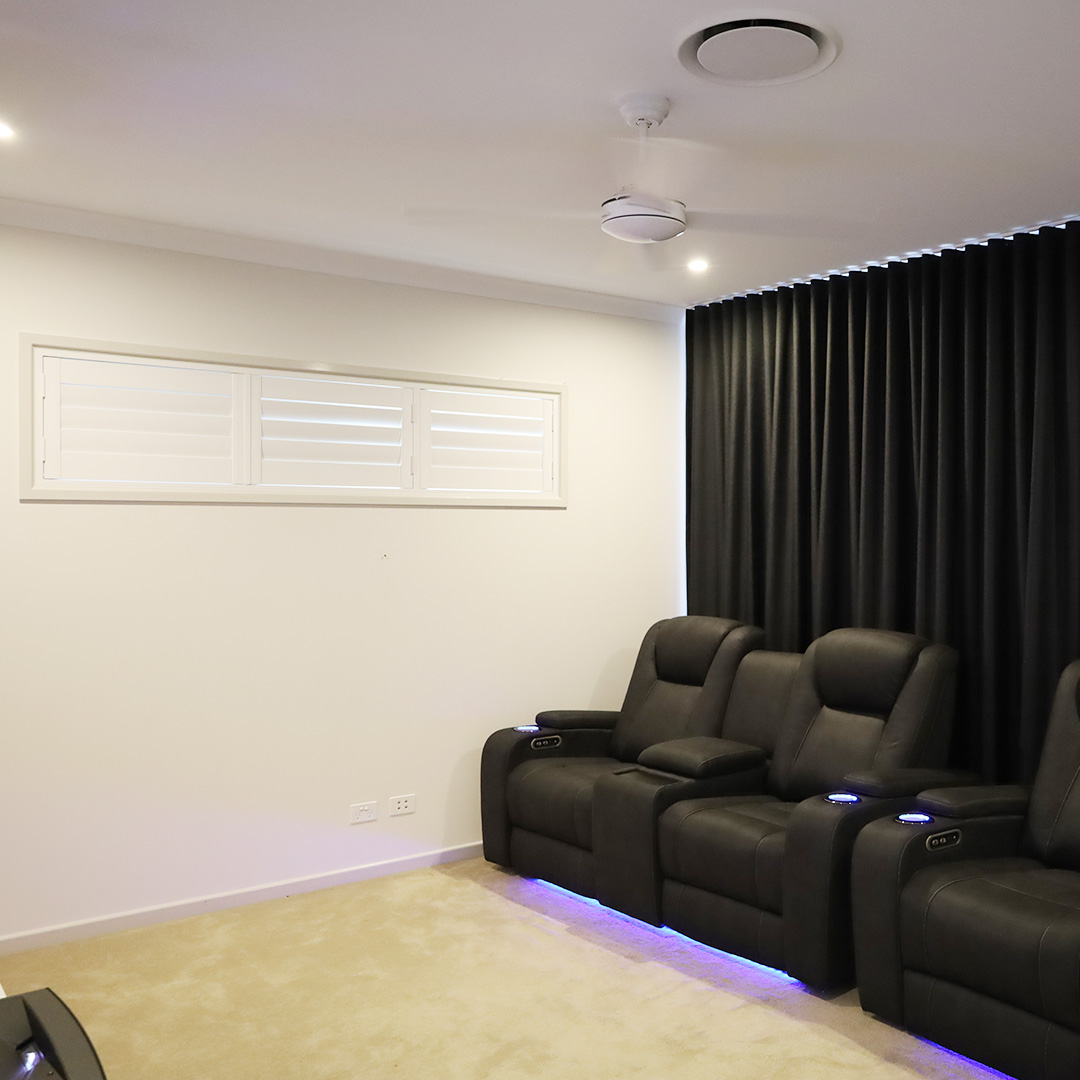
759, 52
642, 219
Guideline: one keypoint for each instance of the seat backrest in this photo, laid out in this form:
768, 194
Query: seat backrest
864, 699
1052, 831
681, 681
759, 698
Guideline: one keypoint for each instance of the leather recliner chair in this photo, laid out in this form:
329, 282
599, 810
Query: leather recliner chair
627, 803
967, 915
537, 782
765, 874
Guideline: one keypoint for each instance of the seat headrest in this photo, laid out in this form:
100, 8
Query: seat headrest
863, 671
686, 647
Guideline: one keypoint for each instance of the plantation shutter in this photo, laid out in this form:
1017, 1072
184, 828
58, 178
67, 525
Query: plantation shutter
486, 442
109, 426
120, 421
315, 432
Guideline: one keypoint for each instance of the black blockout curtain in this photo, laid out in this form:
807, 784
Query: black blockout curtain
900, 448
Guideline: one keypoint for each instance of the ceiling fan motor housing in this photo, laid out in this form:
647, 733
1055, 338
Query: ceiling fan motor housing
642, 219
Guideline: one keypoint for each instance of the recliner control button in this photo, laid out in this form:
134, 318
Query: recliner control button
546, 742
949, 838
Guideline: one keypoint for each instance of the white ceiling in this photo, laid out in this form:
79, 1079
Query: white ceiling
404, 139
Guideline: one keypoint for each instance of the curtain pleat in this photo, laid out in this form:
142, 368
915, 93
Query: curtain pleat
900, 448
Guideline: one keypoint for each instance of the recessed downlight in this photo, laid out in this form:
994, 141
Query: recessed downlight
6, 132
697, 266
759, 51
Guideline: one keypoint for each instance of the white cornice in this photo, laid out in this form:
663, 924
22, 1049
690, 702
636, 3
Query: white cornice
154, 234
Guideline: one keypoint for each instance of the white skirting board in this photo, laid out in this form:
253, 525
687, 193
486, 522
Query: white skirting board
57, 935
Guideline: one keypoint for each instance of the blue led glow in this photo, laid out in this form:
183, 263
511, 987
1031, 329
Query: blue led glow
573, 895
708, 950
928, 1047
843, 797
527, 727
776, 973
972, 1063
914, 819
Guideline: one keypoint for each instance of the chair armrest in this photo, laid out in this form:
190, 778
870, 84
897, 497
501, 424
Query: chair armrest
821, 837
896, 783
700, 757
816, 878
976, 802
561, 719
503, 751
887, 854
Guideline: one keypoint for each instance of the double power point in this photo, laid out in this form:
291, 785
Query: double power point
369, 811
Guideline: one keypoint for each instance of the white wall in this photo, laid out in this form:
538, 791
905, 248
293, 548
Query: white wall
192, 695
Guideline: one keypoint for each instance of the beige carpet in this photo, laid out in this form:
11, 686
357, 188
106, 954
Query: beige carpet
460, 972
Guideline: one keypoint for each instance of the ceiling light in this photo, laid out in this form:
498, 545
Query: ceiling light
697, 266
759, 51
6, 132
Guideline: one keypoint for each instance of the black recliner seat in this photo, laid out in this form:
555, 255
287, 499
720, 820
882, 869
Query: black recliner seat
766, 874
628, 802
537, 783
967, 925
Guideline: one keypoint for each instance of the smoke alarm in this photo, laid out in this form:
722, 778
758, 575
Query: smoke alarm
642, 219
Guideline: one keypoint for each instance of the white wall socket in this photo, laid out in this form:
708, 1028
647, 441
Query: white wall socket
402, 804
363, 811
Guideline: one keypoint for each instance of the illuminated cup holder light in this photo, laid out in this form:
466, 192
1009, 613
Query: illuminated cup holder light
31, 1060
532, 728
914, 819
842, 797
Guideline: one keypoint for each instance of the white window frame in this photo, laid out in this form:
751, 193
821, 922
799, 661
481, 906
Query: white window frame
245, 488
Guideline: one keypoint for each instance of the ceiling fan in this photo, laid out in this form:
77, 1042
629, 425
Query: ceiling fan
635, 216
643, 213
632, 214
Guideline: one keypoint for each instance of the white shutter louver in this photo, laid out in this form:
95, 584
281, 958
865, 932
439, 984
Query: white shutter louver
124, 422
332, 433
486, 442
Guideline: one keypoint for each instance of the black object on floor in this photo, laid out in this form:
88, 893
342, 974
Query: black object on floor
41, 1038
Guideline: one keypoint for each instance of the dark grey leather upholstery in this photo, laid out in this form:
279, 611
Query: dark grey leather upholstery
1052, 828
554, 798
864, 699
766, 875
681, 681
732, 846
976, 944
629, 803
537, 797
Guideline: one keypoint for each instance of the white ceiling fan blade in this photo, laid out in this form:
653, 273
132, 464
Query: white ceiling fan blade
764, 223
449, 215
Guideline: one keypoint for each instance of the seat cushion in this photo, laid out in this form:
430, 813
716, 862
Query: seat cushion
554, 798
1006, 928
732, 846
